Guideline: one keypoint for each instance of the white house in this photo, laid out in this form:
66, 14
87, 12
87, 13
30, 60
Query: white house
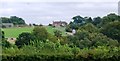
73, 31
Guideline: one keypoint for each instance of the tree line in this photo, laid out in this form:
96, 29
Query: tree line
13, 19
103, 30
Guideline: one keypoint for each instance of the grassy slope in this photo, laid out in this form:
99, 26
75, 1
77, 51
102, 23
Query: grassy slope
51, 30
14, 32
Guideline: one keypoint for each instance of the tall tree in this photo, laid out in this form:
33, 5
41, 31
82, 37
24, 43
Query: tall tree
109, 18
78, 19
96, 20
112, 30
88, 20
40, 33
16, 20
5, 20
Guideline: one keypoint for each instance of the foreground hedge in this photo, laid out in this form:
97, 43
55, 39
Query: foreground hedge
54, 58
63, 53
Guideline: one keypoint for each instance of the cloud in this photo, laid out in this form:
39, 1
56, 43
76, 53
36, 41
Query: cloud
11, 1
46, 12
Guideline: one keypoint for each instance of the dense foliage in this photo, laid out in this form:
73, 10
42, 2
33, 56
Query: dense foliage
24, 39
13, 19
95, 40
40, 33
112, 30
54, 52
58, 33
96, 30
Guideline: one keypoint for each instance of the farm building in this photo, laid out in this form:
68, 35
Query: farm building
59, 23
7, 25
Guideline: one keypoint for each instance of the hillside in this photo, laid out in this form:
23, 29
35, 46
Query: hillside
14, 32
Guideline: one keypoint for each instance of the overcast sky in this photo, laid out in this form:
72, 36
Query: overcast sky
46, 11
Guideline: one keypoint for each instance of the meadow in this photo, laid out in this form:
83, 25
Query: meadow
14, 32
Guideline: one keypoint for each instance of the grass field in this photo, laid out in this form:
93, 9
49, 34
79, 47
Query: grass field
14, 32
51, 30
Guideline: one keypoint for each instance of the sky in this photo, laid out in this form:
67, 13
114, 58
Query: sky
47, 11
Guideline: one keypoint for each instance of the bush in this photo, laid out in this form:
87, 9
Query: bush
24, 39
63, 53
6, 44
58, 33
40, 33
112, 30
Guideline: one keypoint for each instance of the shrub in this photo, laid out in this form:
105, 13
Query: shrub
24, 39
40, 33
